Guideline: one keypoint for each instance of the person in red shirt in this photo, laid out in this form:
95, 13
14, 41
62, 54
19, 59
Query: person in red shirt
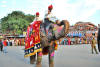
69, 41
5, 46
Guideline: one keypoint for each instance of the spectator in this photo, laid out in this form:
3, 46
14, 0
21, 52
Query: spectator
20, 42
72, 41
8, 42
13, 42
79, 40
93, 45
5, 46
16, 42
1, 45
69, 41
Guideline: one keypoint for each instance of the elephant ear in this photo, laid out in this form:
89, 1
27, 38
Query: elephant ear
61, 29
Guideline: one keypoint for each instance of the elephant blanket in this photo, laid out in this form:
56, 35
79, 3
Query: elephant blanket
32, 40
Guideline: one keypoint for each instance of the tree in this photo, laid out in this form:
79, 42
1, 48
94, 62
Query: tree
16, 22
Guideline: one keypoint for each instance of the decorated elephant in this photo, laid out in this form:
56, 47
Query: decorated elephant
49, 34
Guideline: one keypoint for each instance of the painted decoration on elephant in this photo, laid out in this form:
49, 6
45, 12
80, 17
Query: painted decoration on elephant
55, 31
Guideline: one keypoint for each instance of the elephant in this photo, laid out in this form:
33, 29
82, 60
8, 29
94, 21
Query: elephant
49, 34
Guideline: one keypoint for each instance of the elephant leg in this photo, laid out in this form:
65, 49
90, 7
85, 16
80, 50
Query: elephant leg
51, 44
32, 59
51, 56
39, 58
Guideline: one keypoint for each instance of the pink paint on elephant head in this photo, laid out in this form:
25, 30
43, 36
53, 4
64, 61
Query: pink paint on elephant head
58, 28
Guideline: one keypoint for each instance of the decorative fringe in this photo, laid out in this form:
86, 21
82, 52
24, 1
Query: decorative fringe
30, 54
56, 45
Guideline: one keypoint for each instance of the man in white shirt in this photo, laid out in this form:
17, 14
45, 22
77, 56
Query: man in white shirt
50, 17
37, 18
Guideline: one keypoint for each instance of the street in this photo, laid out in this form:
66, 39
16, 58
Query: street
65, 56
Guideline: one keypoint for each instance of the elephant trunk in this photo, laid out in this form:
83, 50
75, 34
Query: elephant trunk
66, 26
65, 29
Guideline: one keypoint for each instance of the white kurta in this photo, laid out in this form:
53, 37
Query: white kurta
36, 19
51, 17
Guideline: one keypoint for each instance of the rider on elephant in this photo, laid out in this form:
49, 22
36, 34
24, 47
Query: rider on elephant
49, 16
36, 26
33, 45
50, 19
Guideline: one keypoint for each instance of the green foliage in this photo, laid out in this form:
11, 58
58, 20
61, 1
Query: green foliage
16, 22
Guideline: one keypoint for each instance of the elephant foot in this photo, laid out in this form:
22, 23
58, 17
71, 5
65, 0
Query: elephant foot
38, 65
51, 64
31, 62
32, 59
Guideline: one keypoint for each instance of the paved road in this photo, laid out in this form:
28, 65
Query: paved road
65, 56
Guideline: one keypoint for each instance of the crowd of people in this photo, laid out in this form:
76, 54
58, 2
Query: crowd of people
10, 42
13, 41
92, 40
76, 40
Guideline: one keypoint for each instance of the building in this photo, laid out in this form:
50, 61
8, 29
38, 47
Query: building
82, 29
87, 26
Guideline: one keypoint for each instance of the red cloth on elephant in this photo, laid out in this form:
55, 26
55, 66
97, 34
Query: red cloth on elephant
36, 28
34, 38
27, 39
32, 41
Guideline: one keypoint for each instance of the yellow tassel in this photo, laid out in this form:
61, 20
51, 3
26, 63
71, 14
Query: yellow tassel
56, 45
